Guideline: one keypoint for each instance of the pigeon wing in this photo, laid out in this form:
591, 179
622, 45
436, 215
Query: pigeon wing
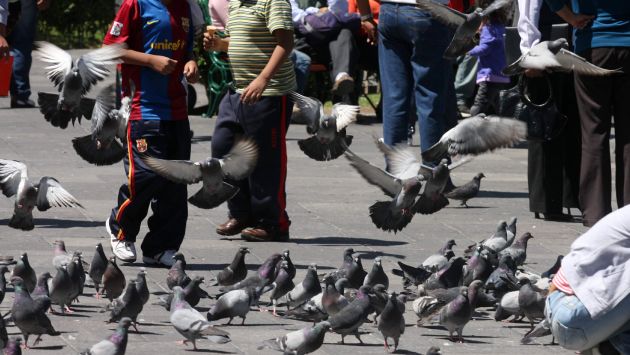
11, 172
60, 61
310, 108
572, 61
403, 163
442, 13
241, 160
294, 340
180, 171
104, 347
496, 5
51, 194
186, 319
481, 134
375, 176
93, 65
344, 115
105, 102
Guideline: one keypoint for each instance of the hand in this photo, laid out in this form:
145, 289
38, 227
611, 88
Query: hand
214, 43
253, 91
161, 64
369, 27
4, 47
580, 21
533, 73
191, 71
43, 4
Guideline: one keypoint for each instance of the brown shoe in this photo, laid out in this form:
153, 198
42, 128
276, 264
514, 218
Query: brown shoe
233, 226
260, 234
343, 86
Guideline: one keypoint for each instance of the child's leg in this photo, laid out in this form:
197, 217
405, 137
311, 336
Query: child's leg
481, 103
494, 92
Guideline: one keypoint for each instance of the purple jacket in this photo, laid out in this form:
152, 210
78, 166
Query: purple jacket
491, 53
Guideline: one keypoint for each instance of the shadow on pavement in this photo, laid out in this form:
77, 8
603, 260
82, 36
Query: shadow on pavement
347, 241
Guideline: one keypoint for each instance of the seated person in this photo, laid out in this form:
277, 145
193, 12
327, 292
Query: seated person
368, 58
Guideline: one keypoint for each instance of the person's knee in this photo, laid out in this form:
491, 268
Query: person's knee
569, 319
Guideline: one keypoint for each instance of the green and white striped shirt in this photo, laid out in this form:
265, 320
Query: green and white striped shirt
250, 26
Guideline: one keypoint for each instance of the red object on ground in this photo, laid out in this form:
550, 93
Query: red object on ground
6, 68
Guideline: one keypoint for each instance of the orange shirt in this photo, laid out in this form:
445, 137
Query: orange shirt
375, 6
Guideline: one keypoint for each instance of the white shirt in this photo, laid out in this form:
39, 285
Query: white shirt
528, 23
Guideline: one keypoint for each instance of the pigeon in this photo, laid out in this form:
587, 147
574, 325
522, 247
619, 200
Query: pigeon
142, 286
192, 294
391, 321
282, 284
328, 132
441, 257
42, 289
511, 230
518, 250
77, 277
236, 303
113, 280
46, 194
498, 241
286, 256
467, 191
3, 282
303, 341
333, 299
496, 283
177, 273
29, 315
531, 301
508, 306
73, 79
432, 198
309, 311
477, 268
477, 135
393, 215
14, 347
24, 270
97, 268
347, 265
377, 275
456, 314
432, 301
466, 26
356, 274
61, 257
237, 165
449, 276
546, 274
412, 275
379, 300
543, 328
555, 56
308, 288
351, 317
105, 145
62, 290
129, 304
264, 275
115, 344
192, 324
236, 271
434, 350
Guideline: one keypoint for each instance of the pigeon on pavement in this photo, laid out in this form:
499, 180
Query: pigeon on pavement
467, 191
73, 79
377, 275
511, 230
113, 280
141, 285
264, 275
555, 56
496, 283
282, 284
46, 194
192, 294
14, 347
543, 328
412, 275
236, 271
62, 290
434, 350
24, 271
42, 289
177, 273
466, 26
498, 241
115, 344
449, 276
518, 250
77, 276
192, 324
456, 314
437, 261
129, 304
308, 288
286, 256
391, 322
299, 342
329, 139
29, 315
531, 301
552, 270
477, 267
97, 268
477, 135
60, 255
432, 198
333, 299
351, 317
238, 164
236, 303
508, 306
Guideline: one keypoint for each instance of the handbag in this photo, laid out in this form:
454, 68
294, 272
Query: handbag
544, 121
323, 27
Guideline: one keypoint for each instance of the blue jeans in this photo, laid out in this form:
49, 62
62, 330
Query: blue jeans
410, 49
21, 40
301, 63
574, 328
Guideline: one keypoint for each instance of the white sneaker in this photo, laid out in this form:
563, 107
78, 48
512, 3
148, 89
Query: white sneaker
124, 251
164, 258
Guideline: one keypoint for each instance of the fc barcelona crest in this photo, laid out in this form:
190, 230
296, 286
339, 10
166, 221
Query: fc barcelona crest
141, 145
186, 24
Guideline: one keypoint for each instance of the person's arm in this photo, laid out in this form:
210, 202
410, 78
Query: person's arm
367, 20
161, 64
485, 42
578, 21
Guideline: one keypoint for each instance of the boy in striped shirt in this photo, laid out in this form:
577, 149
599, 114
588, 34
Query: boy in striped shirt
259, 43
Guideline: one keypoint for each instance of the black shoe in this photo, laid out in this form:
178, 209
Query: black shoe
464, 111
22, 103
555, 217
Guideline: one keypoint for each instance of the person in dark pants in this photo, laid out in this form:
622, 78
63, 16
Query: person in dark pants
259, 47
159, 37
552, 166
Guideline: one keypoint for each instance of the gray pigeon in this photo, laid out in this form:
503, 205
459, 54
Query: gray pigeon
478, 267
236, 303
467, 191
498, 241
97, 268
77, 275
531, 301
449, 276
412, 275
543, 328
308, 288
62, 290
477, 135
395, 214
3, 282
508, 306
346, 265
129, 304
329, 139
237, 165
41, 289
391, 322
333, 299
236, 271
46, 194
14, 347
351, 269
546, 274
465, 25
351, 317
61, 257
456, 314
303, 341
518, 250
553, 56
192, 294
377, 275
434, 350
264, 275
73, 79
286, 256
141, 285
282, 285
437, 261
192, 324
106, 143
502, 279
24, 271
432, 198
113, 280
115, 344
29, 315
177, 273
511, 230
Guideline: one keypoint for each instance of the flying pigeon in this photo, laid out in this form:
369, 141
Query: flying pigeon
308, 288
73, 79
329, 139
24, 271
467, 191
236, 303
351, 317
236, 271
465, 25
192, 324
282, 284
555, 56
46, 194
377, 275
115, 344
97, 268
29, 315
105, 145
303, 341
113, 280
177, 273
391, 321
237, 165
518, 250
477, 135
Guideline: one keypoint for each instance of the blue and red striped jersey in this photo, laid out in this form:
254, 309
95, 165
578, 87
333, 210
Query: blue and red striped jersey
151, 27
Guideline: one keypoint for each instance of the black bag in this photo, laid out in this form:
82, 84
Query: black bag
544, 121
